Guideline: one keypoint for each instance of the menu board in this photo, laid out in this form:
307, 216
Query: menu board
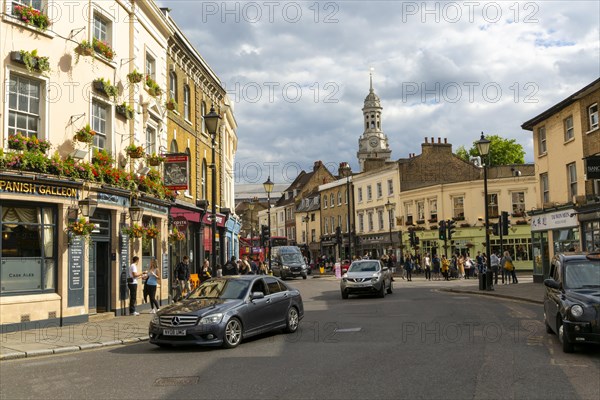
124, 265
165, 265
76, 278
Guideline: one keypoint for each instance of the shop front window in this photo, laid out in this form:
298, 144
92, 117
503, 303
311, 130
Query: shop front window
149, 251
541, 265
28, 249
565, 240
592, 236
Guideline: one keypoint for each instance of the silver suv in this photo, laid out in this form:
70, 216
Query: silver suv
366, 277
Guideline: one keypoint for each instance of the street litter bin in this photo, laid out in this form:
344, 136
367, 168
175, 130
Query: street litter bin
482, 281
489, 280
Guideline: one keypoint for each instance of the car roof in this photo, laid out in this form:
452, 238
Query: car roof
569, 256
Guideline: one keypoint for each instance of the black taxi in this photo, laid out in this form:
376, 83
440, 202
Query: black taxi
572, 299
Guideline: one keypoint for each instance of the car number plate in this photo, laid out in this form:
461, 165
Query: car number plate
174, 332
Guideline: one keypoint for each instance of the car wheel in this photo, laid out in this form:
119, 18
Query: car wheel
292, 320
390, 289
344, 294
233, 333
566, 345
381, 293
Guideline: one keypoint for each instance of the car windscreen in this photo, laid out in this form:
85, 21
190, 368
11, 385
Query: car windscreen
582, 274
364, 267
221, 289
292, 258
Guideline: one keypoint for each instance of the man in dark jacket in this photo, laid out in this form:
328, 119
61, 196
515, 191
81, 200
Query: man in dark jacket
230, 268
182, 274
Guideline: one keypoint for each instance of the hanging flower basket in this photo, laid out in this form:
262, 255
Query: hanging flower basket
152, 232
81, 227
84, 49
105, 87
134, 231
176, 236
125, 110
135, 76
154, 160
85, 134
134, 151
171, 105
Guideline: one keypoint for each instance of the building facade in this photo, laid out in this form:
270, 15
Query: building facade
566, 140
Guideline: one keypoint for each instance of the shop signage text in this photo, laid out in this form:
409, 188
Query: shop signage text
555, 220
37, 189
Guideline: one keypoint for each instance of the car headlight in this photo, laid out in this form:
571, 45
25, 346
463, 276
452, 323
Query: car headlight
577, 311
155, 320
286, 267
212, 319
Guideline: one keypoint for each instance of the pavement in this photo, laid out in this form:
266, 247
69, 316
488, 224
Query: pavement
108, 330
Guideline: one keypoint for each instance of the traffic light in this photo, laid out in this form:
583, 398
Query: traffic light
338, 235
442, 230
265, 234
450, 225
411, 238
505, 222
495, 230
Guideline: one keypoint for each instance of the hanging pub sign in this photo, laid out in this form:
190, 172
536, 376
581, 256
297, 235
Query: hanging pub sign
592, 166
176, 171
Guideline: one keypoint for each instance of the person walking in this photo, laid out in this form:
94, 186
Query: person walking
132, 285
427, 262
468, 266
230, 267
182, 275
495, 263
152, 284
436, 267
408, 267
507, 266
445, 268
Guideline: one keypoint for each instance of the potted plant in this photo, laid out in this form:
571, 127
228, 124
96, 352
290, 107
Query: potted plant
17, 142
125, 110
103, 48
176, 236
31, 60
105, 87
151, 232
154, 159
85, 134
152, 87
84, 49
31, 16
37, 145
171, 104
103, 158
81, 227
134, 151
135, 76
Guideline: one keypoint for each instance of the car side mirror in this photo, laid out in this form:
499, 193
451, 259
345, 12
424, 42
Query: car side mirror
551, 283
257, 295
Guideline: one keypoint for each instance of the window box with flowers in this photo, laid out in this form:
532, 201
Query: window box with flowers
433, 227
32, 61
465, 225
432, 220
102, 158
152, 87
85, 134
459, 218
17, 142
105, 87
135, 231
37, 145
81, 227
521, 222
420, 221
135, 76
31, 16
125, 110
154, 159
103, 48
134, 151
171, 104
176, 236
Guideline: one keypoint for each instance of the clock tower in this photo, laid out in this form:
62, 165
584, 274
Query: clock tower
373, 143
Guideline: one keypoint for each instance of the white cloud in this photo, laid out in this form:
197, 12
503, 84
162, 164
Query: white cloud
438, 73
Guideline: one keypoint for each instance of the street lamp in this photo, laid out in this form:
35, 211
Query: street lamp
306, 219
212, 123
347, 171
390, 207
268, 185
250, 208
483, 146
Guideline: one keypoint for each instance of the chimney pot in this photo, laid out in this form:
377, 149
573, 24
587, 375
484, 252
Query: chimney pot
432, 141
439, 140
445, 140
426, 139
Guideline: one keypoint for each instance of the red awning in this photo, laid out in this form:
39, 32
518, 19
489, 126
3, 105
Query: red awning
188, 214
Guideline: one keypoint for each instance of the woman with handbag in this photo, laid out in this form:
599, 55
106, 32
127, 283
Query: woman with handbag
152, 284
509, 268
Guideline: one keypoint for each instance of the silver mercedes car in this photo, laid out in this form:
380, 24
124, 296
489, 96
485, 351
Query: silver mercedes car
223, 311
366, 277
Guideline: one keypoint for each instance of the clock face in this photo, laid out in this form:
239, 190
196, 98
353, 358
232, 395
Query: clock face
373, 142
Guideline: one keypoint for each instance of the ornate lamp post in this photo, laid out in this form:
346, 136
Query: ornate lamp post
212, 123
251, 208
268, 185
347, 171
483, 147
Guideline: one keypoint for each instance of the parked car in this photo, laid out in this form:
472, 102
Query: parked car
288, 262
366, 277
224, 311
572, 299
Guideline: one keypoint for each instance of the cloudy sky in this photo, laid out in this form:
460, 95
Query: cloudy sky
298, 72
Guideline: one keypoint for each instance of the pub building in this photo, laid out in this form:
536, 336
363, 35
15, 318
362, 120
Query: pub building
51, 277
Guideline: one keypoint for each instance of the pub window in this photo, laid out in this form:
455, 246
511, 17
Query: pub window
28, 249
149, 250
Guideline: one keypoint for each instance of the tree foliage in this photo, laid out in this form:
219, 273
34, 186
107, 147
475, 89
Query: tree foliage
502, 151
